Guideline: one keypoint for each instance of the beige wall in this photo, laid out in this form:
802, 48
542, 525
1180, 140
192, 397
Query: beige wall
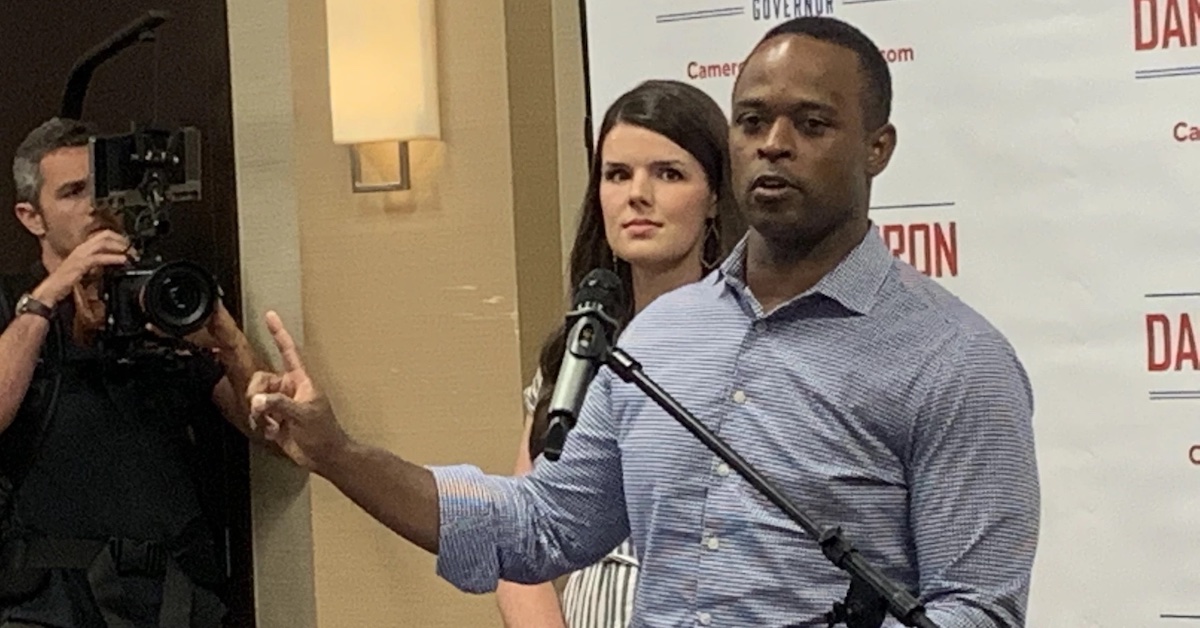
406, 303
411, 314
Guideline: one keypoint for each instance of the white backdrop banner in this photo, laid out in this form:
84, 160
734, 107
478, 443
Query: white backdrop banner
1048, 172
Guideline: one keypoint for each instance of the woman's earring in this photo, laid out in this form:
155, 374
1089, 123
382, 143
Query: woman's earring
711, 234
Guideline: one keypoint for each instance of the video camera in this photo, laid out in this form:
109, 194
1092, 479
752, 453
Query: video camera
137, 176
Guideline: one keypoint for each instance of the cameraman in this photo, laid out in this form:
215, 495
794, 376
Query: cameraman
106, 517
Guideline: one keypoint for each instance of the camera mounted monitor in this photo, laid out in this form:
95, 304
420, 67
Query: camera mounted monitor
139, 174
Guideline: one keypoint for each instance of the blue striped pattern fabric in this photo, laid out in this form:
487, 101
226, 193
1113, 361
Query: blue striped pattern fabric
876, 401
599, 595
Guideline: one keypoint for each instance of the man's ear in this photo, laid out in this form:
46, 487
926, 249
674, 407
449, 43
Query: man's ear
32, 218
883, 144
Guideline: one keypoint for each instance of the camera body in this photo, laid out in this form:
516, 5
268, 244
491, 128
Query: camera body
175, 297
137, 177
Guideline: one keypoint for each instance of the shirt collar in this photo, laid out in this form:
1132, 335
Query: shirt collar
854, 282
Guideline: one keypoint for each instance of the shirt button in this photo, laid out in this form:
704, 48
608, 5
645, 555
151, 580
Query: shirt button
722, 469
704, 618
760, 326
713, 543
739, 397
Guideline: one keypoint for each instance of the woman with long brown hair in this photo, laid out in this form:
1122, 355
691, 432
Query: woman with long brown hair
659, 212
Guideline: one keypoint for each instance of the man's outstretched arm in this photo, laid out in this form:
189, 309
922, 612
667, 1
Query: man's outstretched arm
484, 528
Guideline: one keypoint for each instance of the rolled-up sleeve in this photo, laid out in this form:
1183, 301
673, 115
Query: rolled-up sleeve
975, 499
563, 516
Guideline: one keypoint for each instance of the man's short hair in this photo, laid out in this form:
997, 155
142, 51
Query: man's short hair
877, 78
52, 135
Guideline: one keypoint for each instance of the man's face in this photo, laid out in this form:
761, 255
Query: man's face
65, 215
801, 159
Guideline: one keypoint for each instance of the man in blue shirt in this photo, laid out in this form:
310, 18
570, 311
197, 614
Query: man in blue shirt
870, 395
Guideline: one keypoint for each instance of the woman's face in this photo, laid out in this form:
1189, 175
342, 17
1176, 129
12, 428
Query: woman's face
655, 198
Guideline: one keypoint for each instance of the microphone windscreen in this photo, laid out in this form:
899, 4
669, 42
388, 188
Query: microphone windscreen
601, 287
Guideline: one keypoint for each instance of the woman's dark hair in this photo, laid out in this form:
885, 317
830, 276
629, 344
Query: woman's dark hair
691, 119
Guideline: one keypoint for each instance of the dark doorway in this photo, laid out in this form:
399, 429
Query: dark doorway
182, 79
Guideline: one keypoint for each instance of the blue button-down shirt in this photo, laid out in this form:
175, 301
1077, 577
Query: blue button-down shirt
876, 401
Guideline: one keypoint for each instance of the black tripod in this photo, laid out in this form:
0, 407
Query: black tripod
871, 595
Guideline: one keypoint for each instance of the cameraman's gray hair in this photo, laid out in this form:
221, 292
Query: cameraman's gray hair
52, 135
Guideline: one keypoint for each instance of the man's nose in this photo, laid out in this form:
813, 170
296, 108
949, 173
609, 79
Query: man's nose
780, 142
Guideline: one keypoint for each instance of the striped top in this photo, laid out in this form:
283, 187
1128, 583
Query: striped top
876, 401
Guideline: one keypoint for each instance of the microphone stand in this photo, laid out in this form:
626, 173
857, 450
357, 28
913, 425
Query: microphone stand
871, 595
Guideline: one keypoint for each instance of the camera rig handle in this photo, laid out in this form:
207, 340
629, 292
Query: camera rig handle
140, 30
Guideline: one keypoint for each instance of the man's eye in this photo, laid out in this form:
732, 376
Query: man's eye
750, 121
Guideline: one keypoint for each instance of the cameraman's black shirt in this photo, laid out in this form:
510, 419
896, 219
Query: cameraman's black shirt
117, 460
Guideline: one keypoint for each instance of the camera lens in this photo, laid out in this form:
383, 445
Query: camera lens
179, 297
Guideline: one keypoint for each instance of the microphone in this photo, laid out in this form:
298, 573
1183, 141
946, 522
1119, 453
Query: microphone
592, 328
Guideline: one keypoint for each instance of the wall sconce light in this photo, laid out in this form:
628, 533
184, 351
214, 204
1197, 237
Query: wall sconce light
382, 79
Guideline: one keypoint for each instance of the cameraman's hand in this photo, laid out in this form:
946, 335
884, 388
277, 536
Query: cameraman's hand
291, 411
101, 249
